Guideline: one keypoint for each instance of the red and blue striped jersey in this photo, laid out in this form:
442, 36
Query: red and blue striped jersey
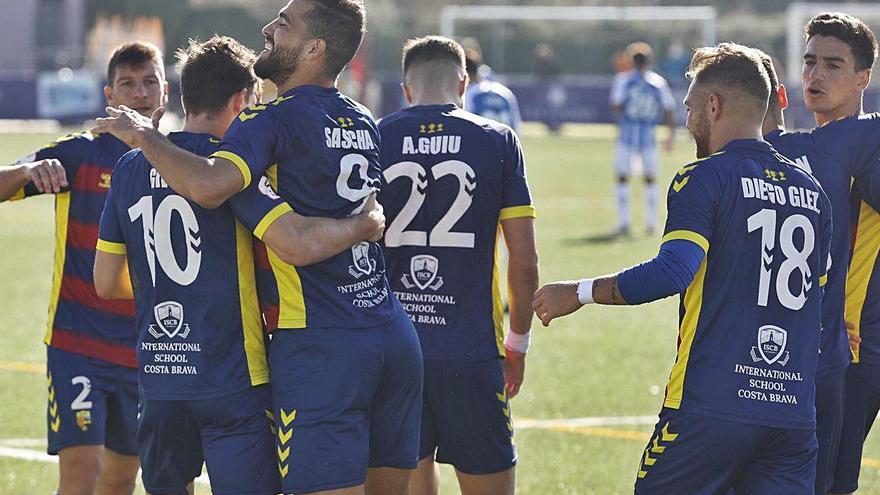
79, 321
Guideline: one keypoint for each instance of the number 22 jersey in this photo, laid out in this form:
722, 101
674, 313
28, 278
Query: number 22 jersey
750, 320
192, 271
320, 150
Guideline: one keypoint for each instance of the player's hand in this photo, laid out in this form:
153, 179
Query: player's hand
374, 215
514, 372
854, 338
126, 124
555, 300
47, 175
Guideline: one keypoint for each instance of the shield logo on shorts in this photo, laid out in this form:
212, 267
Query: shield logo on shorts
360, 254
423, 269
169, 317
771, 343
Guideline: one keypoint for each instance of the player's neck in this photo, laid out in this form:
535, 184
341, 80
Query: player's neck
306, 79
854, 108
771, 124
437, 98
201, 124
720, 137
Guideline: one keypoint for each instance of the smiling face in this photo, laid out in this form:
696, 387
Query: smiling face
832, 87
285, 41
140, 87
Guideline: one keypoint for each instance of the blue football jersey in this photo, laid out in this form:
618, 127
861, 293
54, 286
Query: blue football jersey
449, 178
750, 320
855, 141
200, 333
807, 151
320, 149
493, 100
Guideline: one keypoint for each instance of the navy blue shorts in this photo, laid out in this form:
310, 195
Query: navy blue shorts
345, 400
829, 421
695, 455
231, 435
860, 411
466, 417
91, 402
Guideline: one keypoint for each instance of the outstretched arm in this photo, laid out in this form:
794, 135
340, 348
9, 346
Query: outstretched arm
522, 280
207, 181
47, 175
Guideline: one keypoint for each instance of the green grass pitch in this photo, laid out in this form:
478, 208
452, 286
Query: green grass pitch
602, 361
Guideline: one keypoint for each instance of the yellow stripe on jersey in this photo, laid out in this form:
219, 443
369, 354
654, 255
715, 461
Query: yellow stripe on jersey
693, 303
497, 303
17, 195
687, 235
62, 210
823, 279
272, 174
526, 211
270, 218
861, 267
110, 247
251, 319
239, 162
291, 302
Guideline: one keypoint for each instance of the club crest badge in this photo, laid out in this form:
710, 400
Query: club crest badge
362, 264
169, 320
423, 270
772, 341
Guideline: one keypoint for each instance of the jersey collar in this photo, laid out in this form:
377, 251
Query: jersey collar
446, 107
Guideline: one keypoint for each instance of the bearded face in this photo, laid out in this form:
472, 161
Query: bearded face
277, 63
699, 129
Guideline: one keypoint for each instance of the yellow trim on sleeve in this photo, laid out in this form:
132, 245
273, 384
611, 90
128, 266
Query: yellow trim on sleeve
270, 218
693, 303
111, 247
861, 268
62, 211
239, 162
251, 319
525, 211
18, 195
687, 235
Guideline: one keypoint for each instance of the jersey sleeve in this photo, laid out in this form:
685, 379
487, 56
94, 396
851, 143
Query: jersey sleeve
111, 237
691, 204
257, 207
250, 142
67, 150
516, 199
616, 97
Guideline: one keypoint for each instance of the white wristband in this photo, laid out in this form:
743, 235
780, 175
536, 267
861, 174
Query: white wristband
517, 342
585, 291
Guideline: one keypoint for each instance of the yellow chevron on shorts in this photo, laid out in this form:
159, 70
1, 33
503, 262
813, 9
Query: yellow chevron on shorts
55, 425
283, 454
283, 470
284, 436
668, 437
286, 418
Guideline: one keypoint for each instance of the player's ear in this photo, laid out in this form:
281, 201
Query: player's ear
713, 105
406, 93
864, 78
783, 97
462, 85
108, 94
316, 48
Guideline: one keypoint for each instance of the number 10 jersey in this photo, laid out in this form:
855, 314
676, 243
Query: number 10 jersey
750, 320
449, 178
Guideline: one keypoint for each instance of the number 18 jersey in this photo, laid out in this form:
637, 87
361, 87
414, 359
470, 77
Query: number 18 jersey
750, 320
449, 178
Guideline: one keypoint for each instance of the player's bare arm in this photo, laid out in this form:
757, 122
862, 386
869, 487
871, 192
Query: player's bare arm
207, 181
522, 280
47, 175
300, 240
111, 276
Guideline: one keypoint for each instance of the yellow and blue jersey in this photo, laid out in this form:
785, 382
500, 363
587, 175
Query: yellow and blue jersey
750, 319
199, 326
79, 321
320, 150
449, 178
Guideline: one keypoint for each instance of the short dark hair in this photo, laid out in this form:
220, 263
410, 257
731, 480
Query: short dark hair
767, 62
641, 54
341, 24
212, 71
730, 65
134, 54
431, 49
472, 62
850, 30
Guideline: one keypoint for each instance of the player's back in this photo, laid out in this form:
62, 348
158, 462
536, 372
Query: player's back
200, 333
320, 150
493, 100
750, 320
643, 97
449, 177
810, 154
